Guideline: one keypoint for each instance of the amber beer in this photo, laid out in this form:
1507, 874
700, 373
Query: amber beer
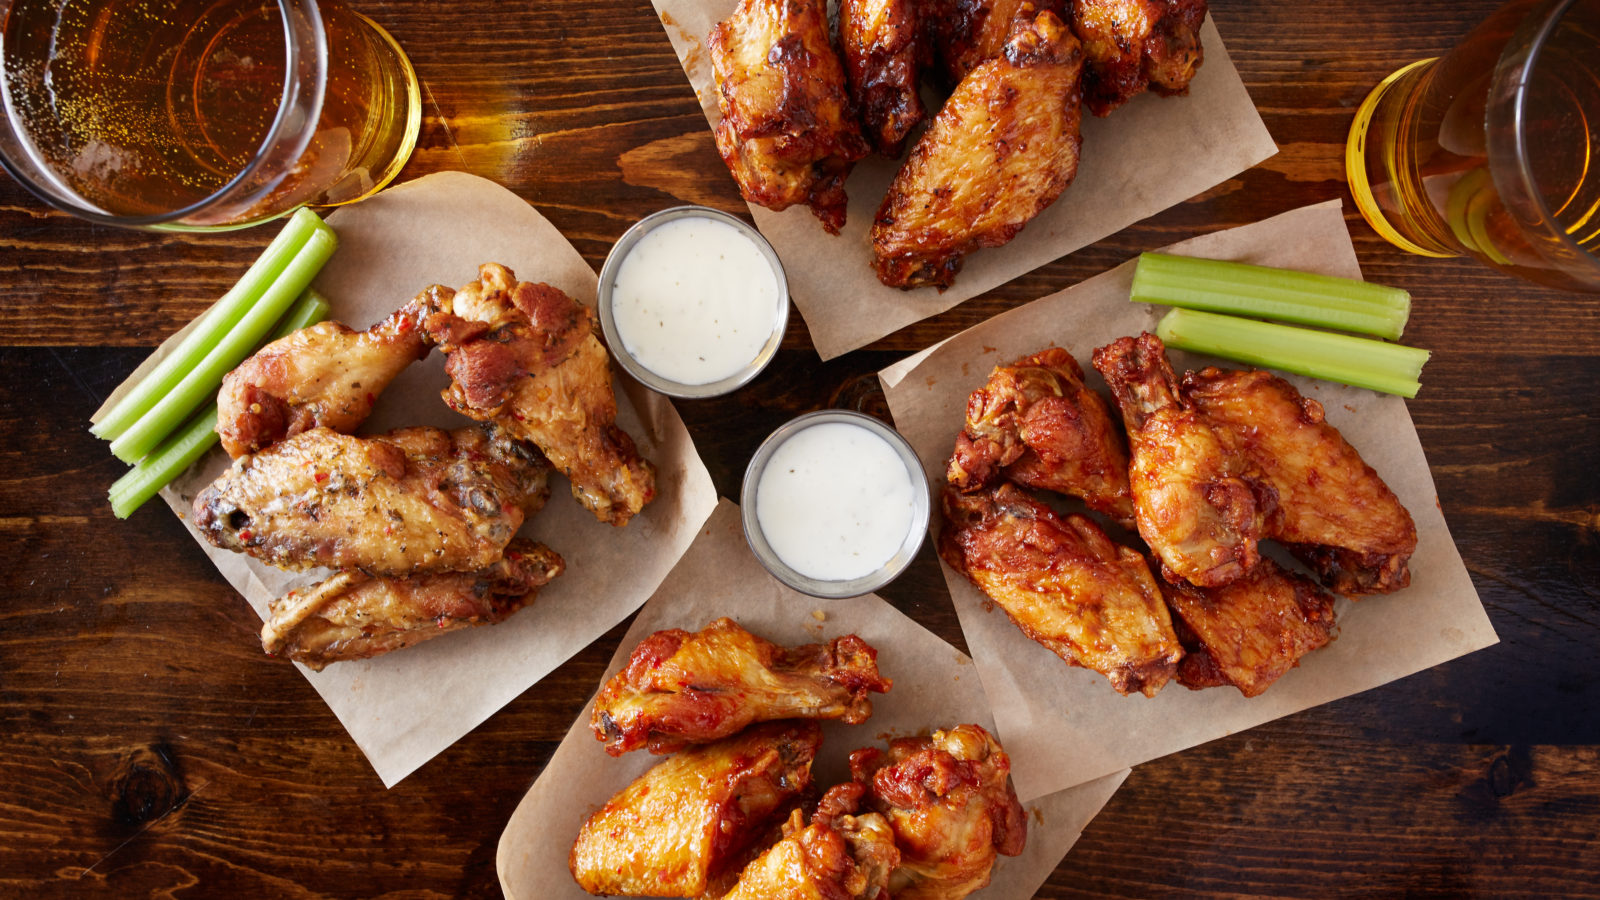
143, 108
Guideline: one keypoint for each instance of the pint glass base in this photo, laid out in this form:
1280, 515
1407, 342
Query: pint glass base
1363, 145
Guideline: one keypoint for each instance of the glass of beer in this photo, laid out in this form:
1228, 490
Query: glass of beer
201, 114
1493, 151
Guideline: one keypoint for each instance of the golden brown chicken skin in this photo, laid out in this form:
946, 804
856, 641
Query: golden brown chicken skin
526, 357
838, 856
1036, 423
410, 502
353, 615
680, 824
882, 45
1129, 45
1001, 150
788, 132
1065, 584
950, 802
1334, 512
681, 688
326, 375
964, 34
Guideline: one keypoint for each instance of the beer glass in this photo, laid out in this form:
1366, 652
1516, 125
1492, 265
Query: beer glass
1493, 151
199, 114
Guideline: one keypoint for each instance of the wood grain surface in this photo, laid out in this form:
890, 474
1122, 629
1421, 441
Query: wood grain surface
150, 750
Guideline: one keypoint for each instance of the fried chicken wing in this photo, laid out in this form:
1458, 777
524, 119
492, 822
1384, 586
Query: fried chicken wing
950, 802
411, 502
882, 45
1202, 509
839, 856
1065, 584
353, 615
525, 357
1003, 148
326, 375
788, 131
967, 33
1036, 423
1334, 512
1129, 45
679, 824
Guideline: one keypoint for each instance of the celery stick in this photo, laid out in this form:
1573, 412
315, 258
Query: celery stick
1282, 294
203, 380
216, 322
1361, 362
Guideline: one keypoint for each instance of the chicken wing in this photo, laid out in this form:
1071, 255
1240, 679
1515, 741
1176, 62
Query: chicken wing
1003, 148
950, 802
353, 615
968, 33
883, 48
1129, 45
681, 688
327, 375
1065, 584
788, 131
839, 856
1036, 423
411, 502
525, 357
679, 824
1202, 509
1334, 512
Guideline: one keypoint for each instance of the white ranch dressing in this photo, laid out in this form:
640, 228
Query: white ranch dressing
694, 300
835, 502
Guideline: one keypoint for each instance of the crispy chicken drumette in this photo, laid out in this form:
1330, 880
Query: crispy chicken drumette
884, 51
964, 34
1129, 45
838, 856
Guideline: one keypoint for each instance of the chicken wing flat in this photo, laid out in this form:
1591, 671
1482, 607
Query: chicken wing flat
686, 819
1334, 512
1201, 508
681, 688
411, 502
1036, 423
788, 131
326, 375
353, 615
950, 802
1129, 45
967, 33
1003, 148
1251, 631
1065, 584
839, 856
882, 44
525, 357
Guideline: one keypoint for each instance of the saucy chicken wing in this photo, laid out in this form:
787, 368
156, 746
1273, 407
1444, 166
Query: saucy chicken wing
1129, 45
410, 502
950, 802
1036, 423
788, 131
1065, 584
882, 44
966, 33
839, 856
1334, 512
525, 357
1003, 148
353, 615
681, 688
690, 816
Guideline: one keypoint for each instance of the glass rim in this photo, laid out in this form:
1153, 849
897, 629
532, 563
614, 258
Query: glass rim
274, 133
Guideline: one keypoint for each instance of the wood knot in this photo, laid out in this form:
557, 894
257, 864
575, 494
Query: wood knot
863, 394
147, 786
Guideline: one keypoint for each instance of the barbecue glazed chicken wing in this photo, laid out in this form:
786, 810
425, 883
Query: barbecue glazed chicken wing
788, 131
326, 375
882, 44
950, 802
1129, 45
1065, 584
1036, 423
1003, 148
525, 357
839, 856
966, 33
1201, 508
681, 688
410, 502
353, 615
679, 825
1334, 512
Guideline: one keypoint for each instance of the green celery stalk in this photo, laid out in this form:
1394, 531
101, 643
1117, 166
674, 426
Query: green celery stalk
214, 324
203, 380
1241, 289
179, 451
1361, 362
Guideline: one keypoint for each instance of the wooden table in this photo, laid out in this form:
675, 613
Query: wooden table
151, 749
